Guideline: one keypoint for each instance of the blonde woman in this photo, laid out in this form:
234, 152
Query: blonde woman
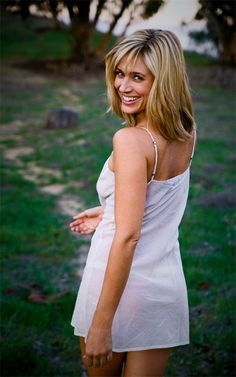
132, 305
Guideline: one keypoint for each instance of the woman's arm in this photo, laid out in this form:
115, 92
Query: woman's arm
130, 191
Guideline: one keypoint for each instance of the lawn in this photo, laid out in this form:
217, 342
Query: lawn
48, 175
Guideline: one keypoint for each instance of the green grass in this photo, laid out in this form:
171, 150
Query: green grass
35, 255
38, 252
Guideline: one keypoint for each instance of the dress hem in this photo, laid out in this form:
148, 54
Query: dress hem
142, 348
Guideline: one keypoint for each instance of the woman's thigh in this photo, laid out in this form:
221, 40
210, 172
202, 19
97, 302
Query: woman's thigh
148, 363
111, 369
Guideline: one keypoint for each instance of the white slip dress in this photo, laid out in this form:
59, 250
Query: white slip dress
153, 311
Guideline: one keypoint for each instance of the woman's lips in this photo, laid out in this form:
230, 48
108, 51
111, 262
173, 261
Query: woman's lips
129, 100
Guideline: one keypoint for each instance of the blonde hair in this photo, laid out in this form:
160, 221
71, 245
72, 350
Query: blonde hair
169, 105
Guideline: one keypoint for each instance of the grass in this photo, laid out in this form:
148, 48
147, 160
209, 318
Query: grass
35, 256
39, 256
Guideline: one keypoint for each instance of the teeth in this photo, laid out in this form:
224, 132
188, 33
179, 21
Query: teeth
129, 99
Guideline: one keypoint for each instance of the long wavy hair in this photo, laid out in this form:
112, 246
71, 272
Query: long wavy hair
169, 105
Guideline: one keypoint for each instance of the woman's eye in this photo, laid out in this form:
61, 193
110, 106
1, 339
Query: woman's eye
118, 73
137, 78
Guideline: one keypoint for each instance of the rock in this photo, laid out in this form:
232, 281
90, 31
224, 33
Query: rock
62, 118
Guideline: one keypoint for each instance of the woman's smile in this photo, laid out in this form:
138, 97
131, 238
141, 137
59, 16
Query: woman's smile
128, 100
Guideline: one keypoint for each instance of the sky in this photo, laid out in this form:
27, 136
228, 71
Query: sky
171, 14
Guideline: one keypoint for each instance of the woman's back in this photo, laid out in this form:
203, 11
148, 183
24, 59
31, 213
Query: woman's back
173, 157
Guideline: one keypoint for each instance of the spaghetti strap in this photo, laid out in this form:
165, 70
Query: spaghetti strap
155, 150
194, 143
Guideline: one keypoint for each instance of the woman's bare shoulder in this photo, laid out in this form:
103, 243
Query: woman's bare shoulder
127, 135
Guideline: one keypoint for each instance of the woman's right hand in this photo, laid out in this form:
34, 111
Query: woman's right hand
87, 221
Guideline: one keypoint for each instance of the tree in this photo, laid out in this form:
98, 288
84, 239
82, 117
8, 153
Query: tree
134, 9
82, 27
220, 17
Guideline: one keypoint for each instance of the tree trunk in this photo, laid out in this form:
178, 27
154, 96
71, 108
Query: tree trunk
228, 52
81, 49
81, 30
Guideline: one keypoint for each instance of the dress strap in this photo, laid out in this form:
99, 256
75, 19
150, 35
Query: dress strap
194, 143
155, 150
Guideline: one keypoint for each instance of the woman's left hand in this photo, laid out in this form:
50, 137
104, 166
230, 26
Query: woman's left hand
98, 350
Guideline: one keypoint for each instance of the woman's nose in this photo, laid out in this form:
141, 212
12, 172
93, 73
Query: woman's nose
125, 85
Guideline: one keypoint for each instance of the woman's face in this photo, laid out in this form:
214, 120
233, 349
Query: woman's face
133, 83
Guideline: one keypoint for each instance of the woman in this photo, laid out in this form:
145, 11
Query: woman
132, 306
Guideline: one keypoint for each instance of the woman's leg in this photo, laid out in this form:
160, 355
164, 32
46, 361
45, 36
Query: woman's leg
149, 363
111, 369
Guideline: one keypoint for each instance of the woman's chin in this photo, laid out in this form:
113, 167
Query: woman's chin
129, 109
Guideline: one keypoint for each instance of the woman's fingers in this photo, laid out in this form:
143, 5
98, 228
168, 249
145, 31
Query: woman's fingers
82, 229
103, 360
79, 224
88, 361
83, 224
96, 361
110, 356
76, 222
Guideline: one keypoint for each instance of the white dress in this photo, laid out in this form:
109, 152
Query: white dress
153, 310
